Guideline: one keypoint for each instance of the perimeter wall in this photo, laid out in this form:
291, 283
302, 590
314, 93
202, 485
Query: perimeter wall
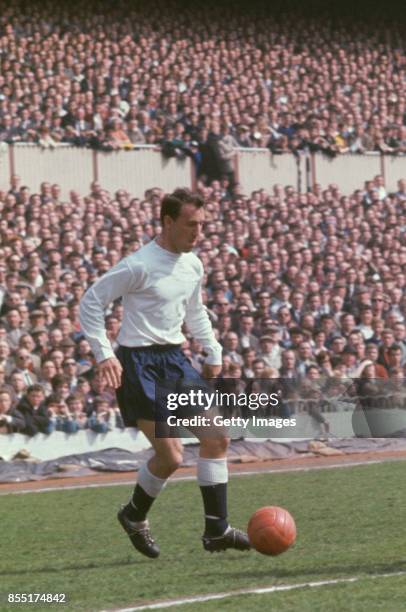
145, 167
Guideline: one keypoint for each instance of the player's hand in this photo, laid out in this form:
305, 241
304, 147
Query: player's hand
211, 371
111, 371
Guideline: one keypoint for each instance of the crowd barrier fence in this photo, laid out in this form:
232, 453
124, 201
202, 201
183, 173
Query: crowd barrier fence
145, 167
60, 444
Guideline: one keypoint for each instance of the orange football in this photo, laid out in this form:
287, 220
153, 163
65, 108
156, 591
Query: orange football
271, 530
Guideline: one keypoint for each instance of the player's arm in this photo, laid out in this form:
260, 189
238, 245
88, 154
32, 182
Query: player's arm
199, 325
117, 282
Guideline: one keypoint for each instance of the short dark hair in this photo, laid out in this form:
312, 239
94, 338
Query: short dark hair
51, 399
394, 348
35, 388
58, 380
172, 203
74, 397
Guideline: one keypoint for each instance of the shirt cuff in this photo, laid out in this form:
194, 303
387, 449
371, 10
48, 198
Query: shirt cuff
103, 353
214, 356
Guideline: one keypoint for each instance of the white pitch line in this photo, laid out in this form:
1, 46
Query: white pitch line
258, 591
312, 468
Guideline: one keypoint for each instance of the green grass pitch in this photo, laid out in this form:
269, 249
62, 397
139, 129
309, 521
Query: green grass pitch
351, 522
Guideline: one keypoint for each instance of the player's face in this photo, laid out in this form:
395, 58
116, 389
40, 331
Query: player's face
184, 232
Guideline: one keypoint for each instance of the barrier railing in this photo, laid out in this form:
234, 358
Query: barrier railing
59, 444
145, 167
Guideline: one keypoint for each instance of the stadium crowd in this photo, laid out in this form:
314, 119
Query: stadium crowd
184, 76
308, 285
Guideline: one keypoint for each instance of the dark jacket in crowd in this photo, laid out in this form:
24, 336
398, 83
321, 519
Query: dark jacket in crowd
17, 423
212, 164
35, 420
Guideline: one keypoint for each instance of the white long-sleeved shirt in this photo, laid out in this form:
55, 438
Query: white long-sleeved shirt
160, 290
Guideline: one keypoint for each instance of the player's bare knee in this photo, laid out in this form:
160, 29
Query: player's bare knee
174, 462
170, 460
214, 446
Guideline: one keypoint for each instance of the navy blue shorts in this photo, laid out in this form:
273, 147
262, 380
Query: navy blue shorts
146, 372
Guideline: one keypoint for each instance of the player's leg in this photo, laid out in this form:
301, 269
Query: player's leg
212, 476
154, 473
152, 478
212, 470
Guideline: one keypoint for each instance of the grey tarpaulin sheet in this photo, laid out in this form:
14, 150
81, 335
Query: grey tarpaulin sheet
241, 451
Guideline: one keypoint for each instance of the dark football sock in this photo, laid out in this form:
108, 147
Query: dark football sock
139, 505
215, 509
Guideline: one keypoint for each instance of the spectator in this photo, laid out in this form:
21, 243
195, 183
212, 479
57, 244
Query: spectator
18, 386
249, 356
98, 389
60, 387
34, 411
288, 367
246, 337
372, 354
365, 325
27, 343
5, 361
70, 370
102, 416
48, 371
305, 359
270, 352
24, 367
15, 330
11, 419
226, 147
231, 348
117, 137
394, 358
324, 363
69, 415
